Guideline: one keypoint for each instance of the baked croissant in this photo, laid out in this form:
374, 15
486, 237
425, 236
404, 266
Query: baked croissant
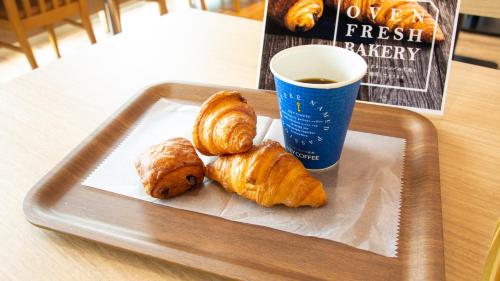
296, 15
170, 168
380, 12
226, 124
268, 175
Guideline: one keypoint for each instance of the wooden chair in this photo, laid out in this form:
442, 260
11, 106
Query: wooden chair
480, 8
19, 16
236, 5
492, 267
112, 11
483, 8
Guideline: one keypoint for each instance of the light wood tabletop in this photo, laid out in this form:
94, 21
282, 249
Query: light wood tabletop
45, 114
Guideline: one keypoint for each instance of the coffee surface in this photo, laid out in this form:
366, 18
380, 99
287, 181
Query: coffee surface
316, 81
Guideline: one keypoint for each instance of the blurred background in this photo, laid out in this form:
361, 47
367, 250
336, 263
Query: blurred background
61, 33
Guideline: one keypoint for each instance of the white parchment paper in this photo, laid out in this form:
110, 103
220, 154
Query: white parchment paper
363, 190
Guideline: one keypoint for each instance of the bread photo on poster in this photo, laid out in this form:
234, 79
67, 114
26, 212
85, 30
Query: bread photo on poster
407, 44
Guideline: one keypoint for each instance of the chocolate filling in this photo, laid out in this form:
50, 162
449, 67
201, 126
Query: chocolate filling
191, 180
300, 29
165, 192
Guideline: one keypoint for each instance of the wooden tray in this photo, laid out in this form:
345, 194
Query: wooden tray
242, 251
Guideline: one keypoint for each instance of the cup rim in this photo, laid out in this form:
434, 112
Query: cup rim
318, 86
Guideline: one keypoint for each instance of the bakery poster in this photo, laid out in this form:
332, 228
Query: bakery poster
407, 44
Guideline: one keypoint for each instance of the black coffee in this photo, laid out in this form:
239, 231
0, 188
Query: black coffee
316, 81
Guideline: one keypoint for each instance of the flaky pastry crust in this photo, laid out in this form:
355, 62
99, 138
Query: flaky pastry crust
226, 124
268, 175
170, 168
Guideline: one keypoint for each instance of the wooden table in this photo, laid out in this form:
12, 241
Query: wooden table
45, 114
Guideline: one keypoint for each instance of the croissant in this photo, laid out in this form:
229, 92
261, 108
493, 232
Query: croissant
170, 168
380, 12
296, 15
226, 124
268, 175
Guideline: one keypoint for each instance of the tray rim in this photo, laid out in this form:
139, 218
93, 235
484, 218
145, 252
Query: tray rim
45, 221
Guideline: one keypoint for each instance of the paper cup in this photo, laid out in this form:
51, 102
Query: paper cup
315, 117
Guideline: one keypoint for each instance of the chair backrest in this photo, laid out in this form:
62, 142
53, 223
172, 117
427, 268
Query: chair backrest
39, 13
29, 8
483, 8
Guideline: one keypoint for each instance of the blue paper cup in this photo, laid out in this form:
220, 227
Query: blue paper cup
315, 117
